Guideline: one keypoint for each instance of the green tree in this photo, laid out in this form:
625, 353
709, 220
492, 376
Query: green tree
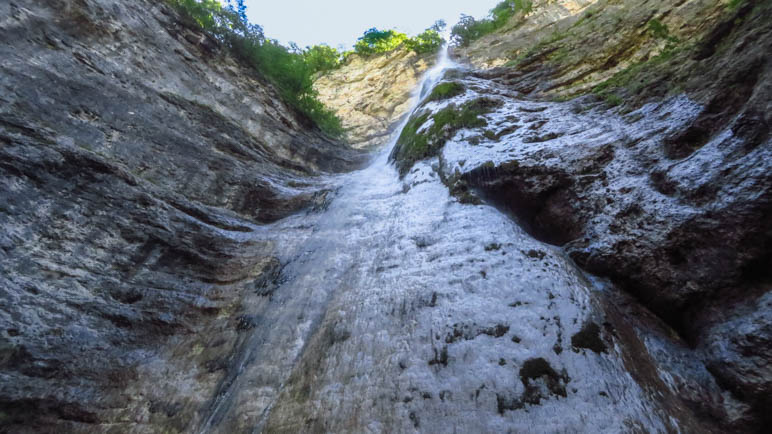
439, 26
430, 41
286, 67
376, 41
468, 29
322, 58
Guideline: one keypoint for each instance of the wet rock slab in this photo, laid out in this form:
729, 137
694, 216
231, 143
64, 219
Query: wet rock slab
136, 171
686, 235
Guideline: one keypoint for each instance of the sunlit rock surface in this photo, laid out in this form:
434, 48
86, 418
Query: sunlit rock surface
371, 94
527, 28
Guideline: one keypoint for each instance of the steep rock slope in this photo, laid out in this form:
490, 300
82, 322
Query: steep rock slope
137, 165
532, 24
371, 95
672, 200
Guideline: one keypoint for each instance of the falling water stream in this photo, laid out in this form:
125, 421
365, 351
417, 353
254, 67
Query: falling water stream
400, 309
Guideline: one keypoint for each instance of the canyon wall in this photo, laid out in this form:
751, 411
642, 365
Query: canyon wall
635, 135
138, 165
371, 94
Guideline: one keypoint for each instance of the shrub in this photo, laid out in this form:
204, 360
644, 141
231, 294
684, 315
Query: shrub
468, 29
322, 58
429, 41
287, 68
376, 41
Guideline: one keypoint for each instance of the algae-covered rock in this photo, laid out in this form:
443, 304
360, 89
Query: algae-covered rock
426, 131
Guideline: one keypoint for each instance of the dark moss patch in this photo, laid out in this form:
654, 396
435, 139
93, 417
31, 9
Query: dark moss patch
445, 91
543, 138
534, 374
536, 254
498, 331
505, 403
589, 338
467, 332
415, 420
539, 369
440, 357
247, 322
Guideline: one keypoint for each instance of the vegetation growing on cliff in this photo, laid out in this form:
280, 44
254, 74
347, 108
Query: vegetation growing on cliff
445, 90
468, 29
430, 41
413, 145
631, 77
376, 41
322, 58
289, 69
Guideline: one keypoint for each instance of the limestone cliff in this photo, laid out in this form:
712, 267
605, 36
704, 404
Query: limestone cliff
137, 164
655, 175
371, 94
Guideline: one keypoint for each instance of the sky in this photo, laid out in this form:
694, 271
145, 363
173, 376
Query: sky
336, 22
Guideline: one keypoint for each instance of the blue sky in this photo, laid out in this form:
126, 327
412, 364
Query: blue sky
310, 22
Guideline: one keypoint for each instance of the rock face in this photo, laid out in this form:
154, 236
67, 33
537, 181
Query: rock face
180, 252
672, 200
138, 163
371, 95
541, 20
567, 47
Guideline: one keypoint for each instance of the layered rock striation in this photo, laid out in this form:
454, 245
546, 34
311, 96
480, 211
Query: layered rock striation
138, 164
372, 94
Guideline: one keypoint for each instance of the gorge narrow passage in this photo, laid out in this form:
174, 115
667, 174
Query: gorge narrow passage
206, 230
400, 308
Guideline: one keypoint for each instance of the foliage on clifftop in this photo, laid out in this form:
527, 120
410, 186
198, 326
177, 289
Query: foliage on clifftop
290, 69
468, 29
376, 41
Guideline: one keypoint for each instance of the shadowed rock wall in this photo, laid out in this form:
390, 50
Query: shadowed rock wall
137, 164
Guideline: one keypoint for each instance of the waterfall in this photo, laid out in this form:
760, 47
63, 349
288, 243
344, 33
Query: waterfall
422, 90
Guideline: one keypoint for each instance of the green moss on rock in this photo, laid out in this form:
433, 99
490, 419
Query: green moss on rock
413, 146
445, 91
